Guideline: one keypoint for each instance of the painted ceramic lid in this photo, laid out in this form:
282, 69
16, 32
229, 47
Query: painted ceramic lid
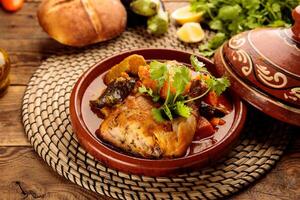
264, 68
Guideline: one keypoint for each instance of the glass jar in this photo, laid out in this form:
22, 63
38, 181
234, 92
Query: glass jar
4, 71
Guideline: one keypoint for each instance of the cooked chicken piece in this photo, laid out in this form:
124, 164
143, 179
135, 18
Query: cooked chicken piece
132, 128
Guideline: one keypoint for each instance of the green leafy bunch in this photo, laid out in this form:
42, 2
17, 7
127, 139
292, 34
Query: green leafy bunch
178, 77
229, 17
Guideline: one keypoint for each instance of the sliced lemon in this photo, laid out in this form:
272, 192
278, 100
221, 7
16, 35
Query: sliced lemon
184, 15
190, 32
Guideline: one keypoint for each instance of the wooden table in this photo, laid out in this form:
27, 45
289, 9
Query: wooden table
24, 175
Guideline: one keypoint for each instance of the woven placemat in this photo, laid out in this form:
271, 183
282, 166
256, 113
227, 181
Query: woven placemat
47, 124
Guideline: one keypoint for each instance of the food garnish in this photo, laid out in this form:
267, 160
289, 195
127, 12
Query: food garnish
177, 77
228, 18
156, 109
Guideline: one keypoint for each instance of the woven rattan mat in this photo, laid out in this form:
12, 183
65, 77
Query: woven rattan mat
47, 125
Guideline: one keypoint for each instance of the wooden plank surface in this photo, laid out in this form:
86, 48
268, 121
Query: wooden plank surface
26, 176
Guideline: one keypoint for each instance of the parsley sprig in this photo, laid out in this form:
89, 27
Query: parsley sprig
178, 77
229, 17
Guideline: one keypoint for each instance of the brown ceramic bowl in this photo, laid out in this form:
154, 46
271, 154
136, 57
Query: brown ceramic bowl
85, 122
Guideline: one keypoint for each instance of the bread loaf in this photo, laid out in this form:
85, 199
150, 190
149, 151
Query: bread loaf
82, 22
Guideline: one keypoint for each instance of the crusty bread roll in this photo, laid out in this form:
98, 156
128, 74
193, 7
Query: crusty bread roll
82, 22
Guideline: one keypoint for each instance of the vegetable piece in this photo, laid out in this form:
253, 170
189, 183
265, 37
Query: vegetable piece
211, 98
209, 111
115, 93
146, 8
204, 128
129, 64
12, 5
133, 19
159, 23
198, 87
215, 121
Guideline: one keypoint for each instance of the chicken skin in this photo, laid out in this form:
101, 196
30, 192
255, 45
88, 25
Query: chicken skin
131, 127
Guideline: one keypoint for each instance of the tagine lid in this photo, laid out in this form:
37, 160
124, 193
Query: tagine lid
263, 66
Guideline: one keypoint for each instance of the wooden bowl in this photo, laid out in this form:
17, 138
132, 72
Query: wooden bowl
264, 68
85, 122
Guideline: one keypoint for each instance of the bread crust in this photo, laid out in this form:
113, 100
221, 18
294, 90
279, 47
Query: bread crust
82, 22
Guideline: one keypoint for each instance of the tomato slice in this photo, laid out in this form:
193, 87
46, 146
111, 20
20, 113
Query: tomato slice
204, 128
211, 98
12, 5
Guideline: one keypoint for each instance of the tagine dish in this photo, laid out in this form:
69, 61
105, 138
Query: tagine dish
157, 109
140, 106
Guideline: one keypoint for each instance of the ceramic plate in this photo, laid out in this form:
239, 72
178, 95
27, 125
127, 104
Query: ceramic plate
202, 152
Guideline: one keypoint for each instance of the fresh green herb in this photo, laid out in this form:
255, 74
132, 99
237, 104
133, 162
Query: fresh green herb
228, 18
181, 77
218, 85
167, 111
180, 80
178, 77
209, 48
182, 110
150, 92
158, 72
197, 65
157, 115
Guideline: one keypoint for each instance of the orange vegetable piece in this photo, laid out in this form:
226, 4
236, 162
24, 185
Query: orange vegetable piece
12, 5
217, 121
144, 75
211, 98
130, 64
164, 90
204, 128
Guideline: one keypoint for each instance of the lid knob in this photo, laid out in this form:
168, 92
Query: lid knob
296, 27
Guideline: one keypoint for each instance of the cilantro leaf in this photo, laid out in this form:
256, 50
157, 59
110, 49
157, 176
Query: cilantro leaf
229, 12
157, 115
218, 85
158, 72
150, 92
197, 65
180, 80
231, 17
167, 111
221, 84
182, 109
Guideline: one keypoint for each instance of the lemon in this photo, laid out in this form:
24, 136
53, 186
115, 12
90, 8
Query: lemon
190, 32
184, 15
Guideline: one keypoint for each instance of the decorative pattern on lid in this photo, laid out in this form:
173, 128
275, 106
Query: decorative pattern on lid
267, 61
